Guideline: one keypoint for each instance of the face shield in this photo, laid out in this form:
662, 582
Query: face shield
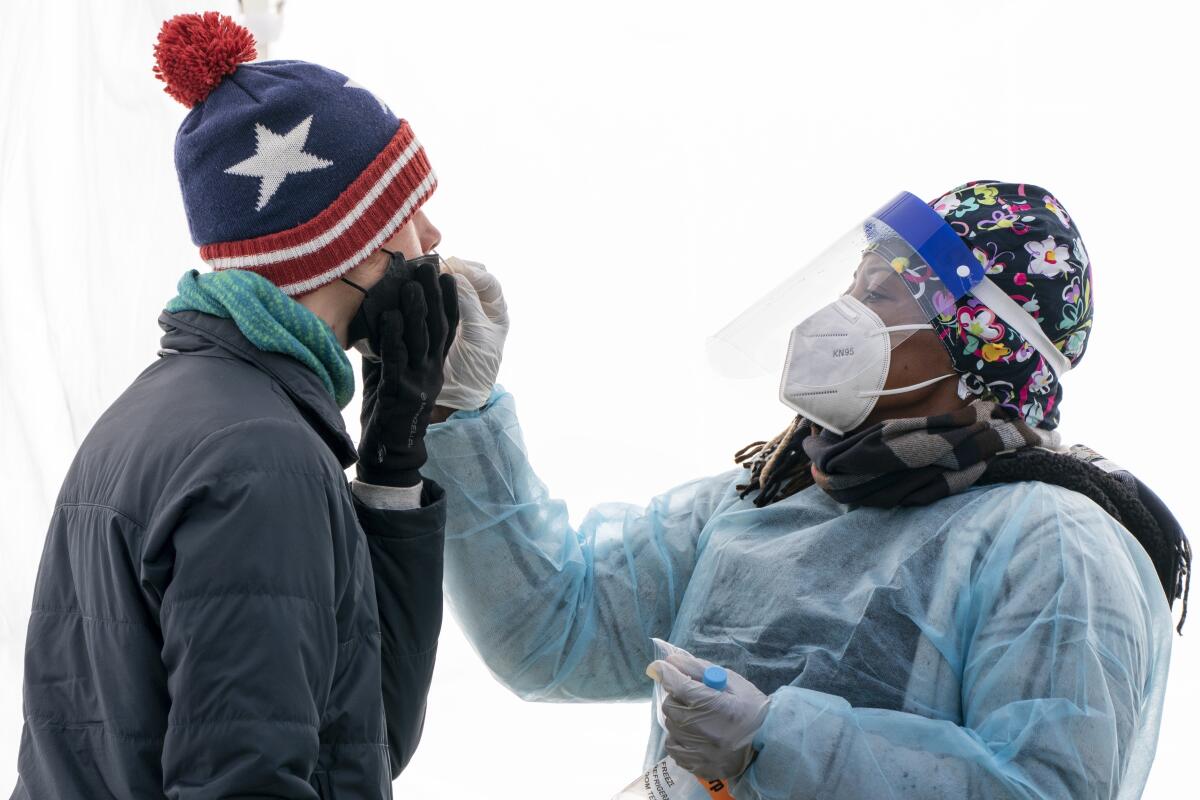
833, 325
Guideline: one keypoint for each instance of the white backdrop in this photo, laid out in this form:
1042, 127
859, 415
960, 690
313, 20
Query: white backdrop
636, 173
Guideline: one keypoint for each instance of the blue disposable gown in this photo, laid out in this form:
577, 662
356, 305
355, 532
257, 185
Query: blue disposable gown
1009, 641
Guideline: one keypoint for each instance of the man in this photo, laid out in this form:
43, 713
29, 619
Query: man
217, 612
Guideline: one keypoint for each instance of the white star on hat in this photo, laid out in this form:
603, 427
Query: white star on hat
353, 84
277, 156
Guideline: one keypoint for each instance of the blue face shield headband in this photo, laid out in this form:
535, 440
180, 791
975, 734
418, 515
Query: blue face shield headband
925, 232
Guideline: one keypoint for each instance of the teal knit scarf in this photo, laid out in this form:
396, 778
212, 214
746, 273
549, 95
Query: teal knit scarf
271, 320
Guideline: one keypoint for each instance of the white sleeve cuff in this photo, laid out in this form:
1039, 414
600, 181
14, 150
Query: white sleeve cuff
388, 498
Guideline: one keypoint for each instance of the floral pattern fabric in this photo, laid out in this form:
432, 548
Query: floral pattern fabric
1031, 249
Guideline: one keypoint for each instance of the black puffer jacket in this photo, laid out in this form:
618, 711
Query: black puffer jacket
216, 614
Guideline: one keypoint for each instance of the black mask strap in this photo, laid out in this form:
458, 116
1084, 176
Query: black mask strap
390, 253
355, 285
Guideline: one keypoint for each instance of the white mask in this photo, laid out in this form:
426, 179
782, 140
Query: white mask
837, 363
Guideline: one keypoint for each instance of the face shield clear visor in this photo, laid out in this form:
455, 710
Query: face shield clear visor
903, 263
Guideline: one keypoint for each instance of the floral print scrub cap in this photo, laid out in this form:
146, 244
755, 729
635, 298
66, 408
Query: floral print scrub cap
1031, 249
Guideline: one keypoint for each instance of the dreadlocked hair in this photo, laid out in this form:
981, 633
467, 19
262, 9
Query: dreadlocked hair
1132, 506
778, 468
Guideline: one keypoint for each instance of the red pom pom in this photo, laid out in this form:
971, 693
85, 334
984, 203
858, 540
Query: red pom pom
195, 51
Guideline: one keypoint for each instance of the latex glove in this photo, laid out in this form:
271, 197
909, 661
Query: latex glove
413, 321
474, 359
709, 733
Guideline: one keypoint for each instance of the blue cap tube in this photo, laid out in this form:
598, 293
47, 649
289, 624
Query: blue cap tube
716, 678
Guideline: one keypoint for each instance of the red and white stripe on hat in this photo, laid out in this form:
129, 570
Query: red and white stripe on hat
364, 216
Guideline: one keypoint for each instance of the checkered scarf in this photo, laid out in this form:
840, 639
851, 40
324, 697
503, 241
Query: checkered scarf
916, 461
899, 462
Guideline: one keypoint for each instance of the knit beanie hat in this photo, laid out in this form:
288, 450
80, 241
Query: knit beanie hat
1030, 248
288, 169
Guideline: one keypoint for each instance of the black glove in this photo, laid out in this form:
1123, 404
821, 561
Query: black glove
411, 317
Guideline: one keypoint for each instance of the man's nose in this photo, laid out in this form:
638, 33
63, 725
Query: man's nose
431, 237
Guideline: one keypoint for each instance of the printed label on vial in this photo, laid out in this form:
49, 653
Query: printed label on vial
658, 782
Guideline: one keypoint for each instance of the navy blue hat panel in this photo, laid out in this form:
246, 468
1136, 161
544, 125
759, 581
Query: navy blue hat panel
274, 145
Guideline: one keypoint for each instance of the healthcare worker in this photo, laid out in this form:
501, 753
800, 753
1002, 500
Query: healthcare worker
218, 612
918, 591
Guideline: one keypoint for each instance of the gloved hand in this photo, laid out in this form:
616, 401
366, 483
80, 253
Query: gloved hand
412, 322
474, 359
709, 733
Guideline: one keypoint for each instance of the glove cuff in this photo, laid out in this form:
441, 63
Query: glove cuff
380, 476
463, 399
